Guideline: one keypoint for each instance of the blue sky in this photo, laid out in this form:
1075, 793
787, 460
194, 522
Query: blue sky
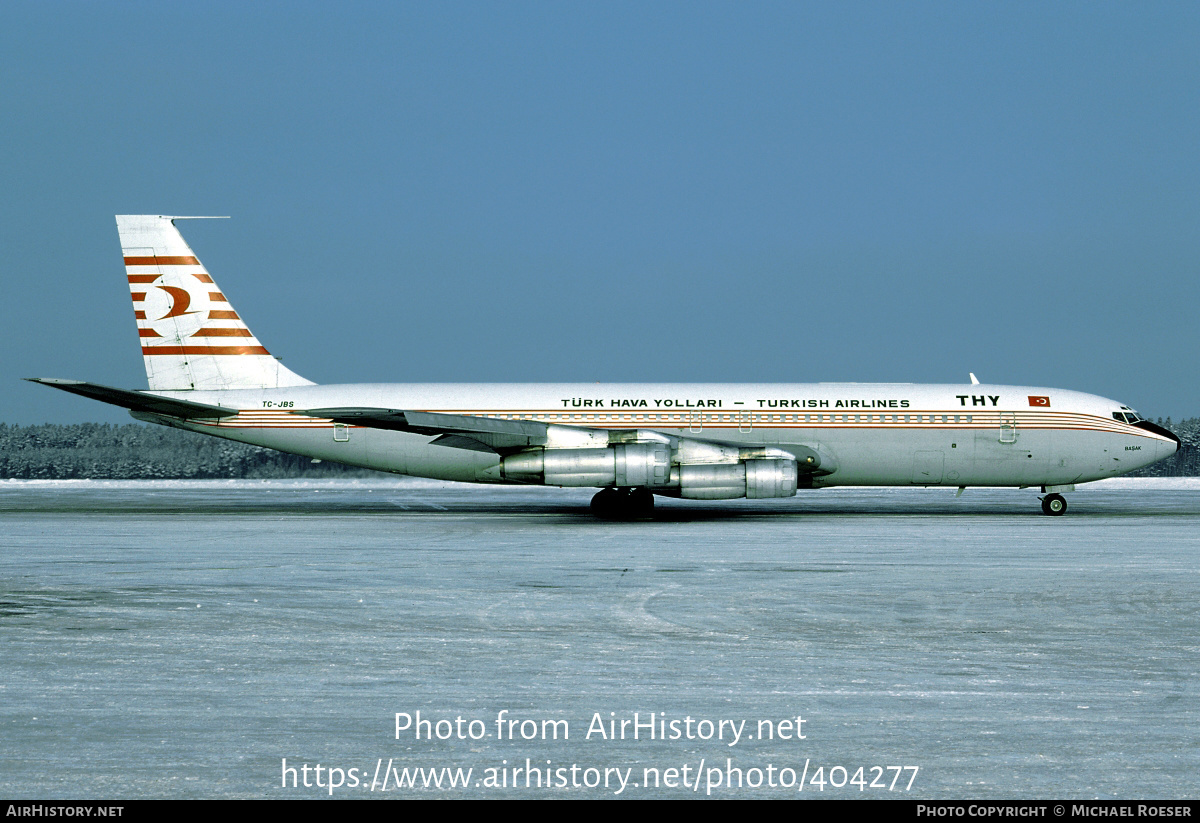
562, 191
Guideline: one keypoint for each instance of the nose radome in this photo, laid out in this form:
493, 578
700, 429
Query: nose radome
1165, 449
1162, 448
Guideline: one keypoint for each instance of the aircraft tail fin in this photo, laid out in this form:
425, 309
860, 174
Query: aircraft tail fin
190, 334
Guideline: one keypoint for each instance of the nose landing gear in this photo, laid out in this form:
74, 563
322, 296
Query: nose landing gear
623, 504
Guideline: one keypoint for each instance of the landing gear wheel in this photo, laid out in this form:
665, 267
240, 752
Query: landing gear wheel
607, 502
640, 502
623, 504
1054, 505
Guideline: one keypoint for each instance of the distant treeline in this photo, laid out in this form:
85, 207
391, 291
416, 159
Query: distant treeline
102, 451
1186, 461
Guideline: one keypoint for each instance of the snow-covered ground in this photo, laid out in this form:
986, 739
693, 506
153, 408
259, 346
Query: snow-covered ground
181, 638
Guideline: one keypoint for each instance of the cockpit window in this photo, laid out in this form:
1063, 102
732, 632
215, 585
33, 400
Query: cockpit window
1131, 417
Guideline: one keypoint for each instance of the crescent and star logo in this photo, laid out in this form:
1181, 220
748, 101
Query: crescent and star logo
180, 300
177, 306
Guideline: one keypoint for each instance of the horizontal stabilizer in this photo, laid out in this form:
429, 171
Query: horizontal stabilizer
137, 400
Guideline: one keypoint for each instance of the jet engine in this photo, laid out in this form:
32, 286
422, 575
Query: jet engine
755, 479
626, 465
683, 468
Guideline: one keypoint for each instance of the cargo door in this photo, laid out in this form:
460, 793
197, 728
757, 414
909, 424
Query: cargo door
927, 468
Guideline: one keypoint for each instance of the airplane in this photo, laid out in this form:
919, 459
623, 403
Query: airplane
208, 373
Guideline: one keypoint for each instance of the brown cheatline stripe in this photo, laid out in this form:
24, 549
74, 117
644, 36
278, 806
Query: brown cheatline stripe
138, 314
223, 314
222, 333
148, 333
204, 350
138, 296
161, 261
310, 423
216, 295
150, 278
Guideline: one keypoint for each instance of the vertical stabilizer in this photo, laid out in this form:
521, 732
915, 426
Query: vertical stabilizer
191, 336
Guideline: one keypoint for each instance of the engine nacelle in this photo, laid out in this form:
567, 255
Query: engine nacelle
755, 479
771, 478
646, 465
733, 472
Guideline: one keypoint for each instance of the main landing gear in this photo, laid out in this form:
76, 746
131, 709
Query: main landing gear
1054, 505
623, 504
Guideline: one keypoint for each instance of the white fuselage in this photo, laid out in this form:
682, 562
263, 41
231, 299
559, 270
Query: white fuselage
869, 434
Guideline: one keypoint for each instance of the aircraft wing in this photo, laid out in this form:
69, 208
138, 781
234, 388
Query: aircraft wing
490, 434
138, 401
427, 422
458, 431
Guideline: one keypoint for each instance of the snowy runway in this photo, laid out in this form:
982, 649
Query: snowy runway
182, 638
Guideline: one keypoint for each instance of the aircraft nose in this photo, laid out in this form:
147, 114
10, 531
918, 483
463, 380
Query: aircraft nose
1162, 449
1166, 449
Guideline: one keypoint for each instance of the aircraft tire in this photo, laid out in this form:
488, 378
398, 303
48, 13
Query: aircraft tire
623, 504
607, 503
640, 502
1054, 505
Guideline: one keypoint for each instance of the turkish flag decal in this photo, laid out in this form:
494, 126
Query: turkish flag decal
1039, 401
